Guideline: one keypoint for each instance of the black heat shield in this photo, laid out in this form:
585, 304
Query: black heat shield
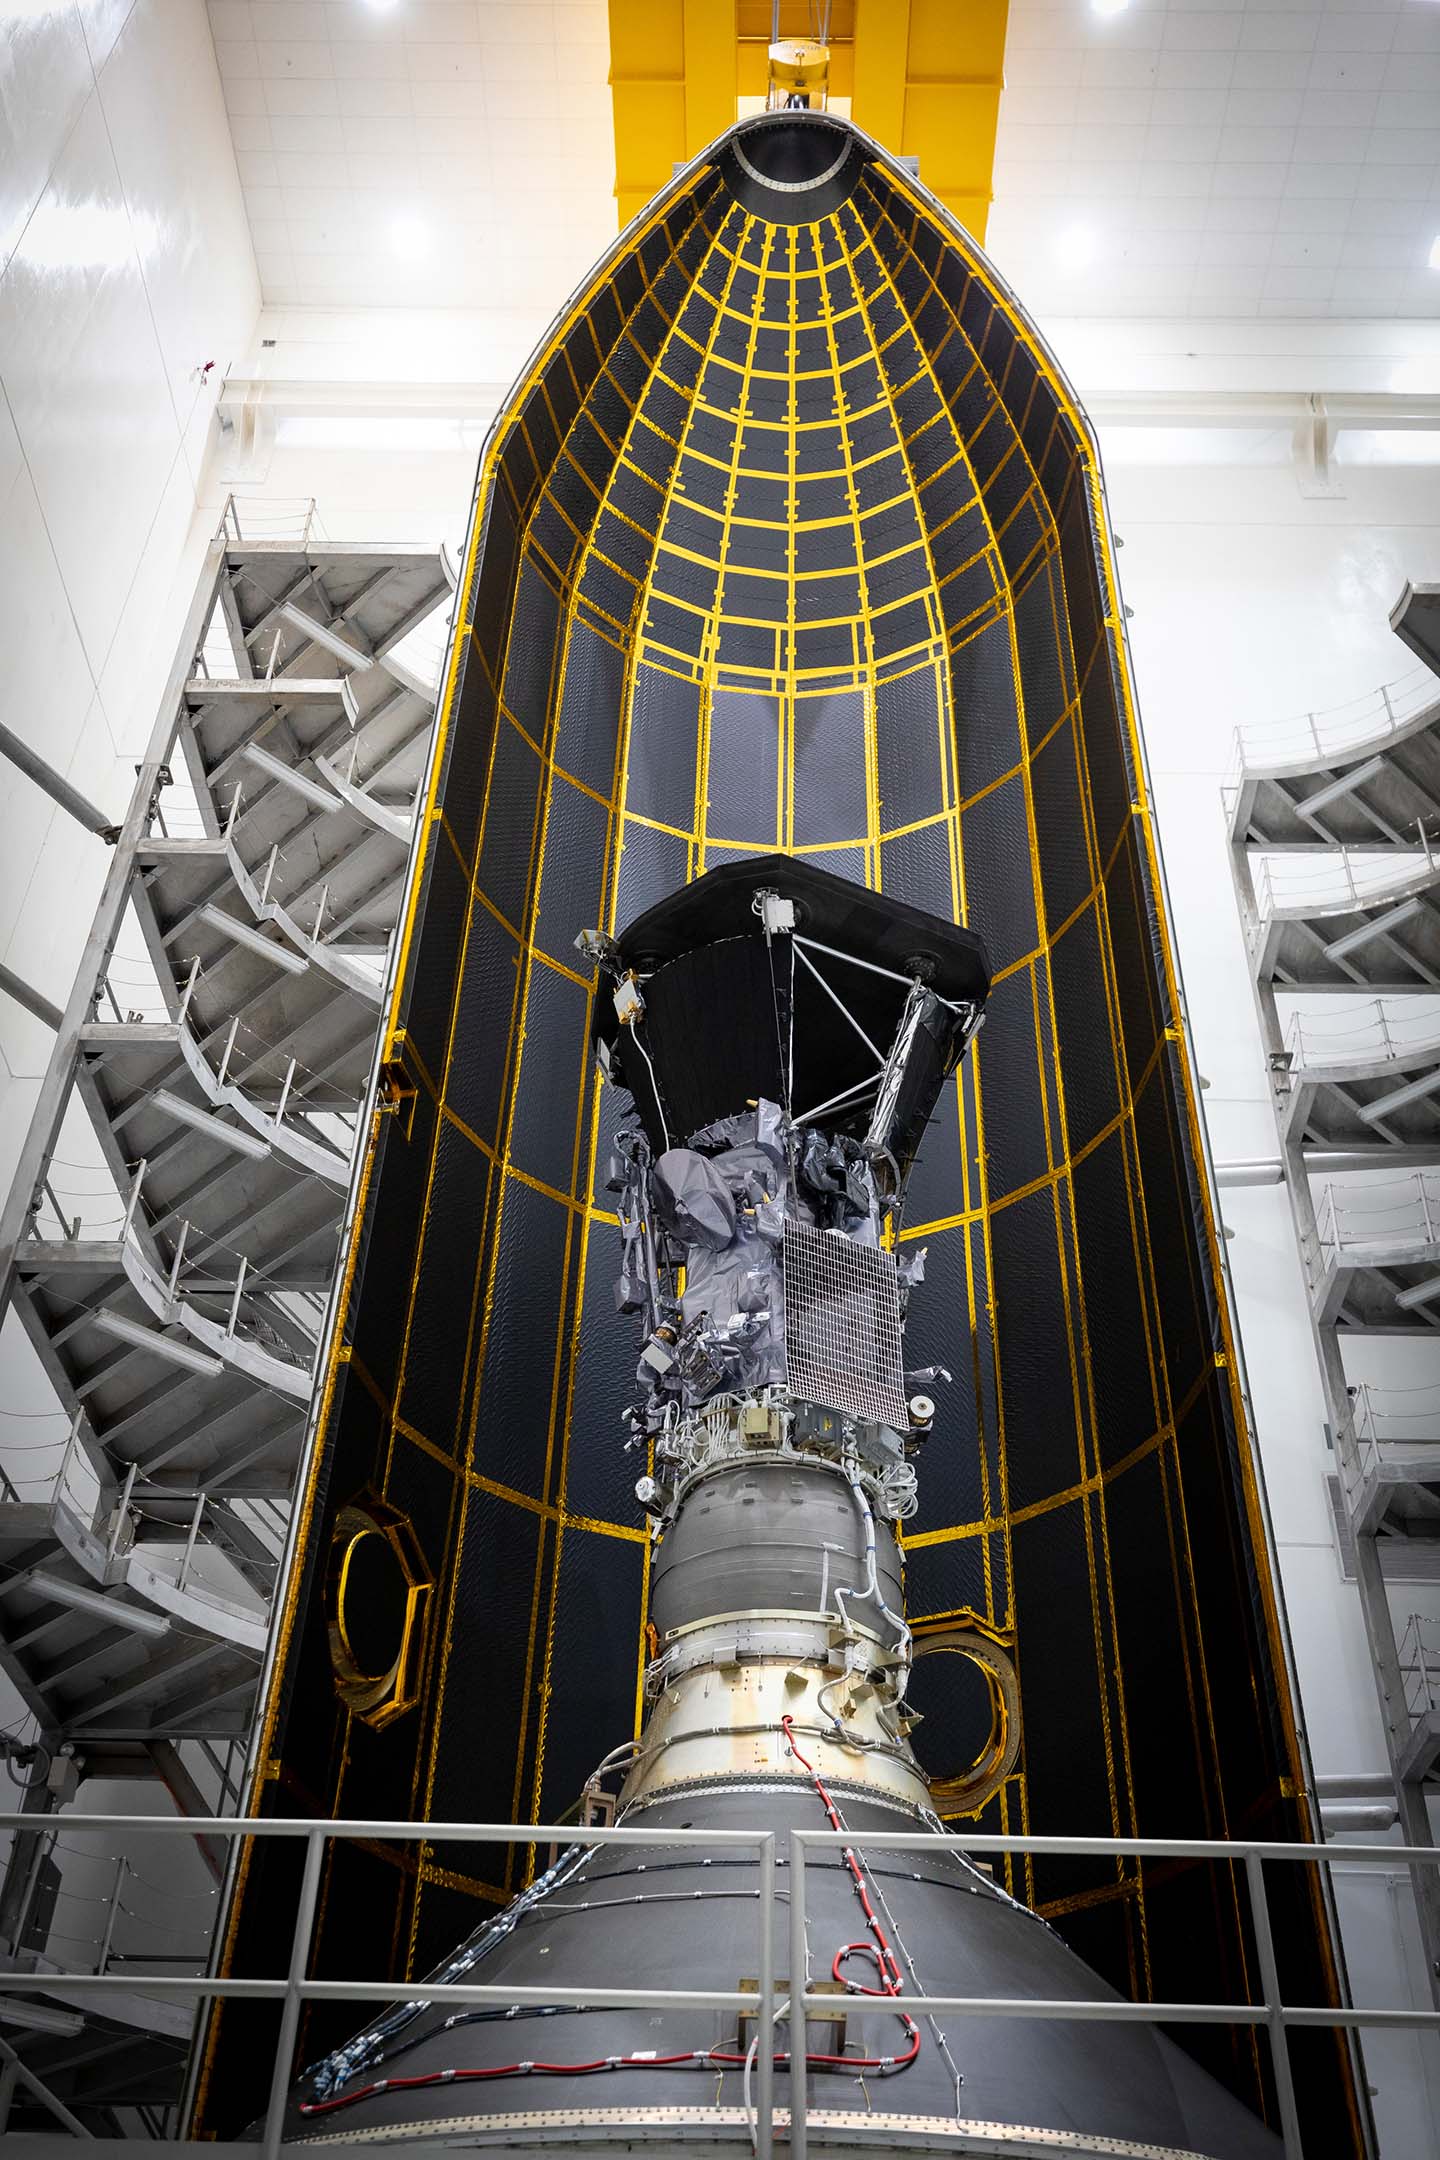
731, 1019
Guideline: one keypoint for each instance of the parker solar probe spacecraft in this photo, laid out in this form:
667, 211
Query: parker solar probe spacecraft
783, 1035
789, 655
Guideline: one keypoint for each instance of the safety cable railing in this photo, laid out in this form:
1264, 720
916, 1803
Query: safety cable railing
1335, 730
295, 1988
1394, 1435
1395, 1417
1373, 1030
190, 1268
1378, 1212
1342, 880
233, 1051
1420, 1665
245, 1535
292, 519
110, 1912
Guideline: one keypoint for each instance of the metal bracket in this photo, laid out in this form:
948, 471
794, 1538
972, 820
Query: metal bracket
1313, 450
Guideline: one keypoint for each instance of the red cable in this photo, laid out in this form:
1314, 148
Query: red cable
892, 1980
891, 1983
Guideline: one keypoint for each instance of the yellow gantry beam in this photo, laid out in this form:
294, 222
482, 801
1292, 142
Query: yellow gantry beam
922, 76
673, 83
928, 77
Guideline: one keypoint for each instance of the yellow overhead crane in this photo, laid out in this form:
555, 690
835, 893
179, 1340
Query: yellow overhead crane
922, 76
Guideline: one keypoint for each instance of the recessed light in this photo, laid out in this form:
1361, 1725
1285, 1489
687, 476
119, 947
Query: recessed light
1108, 7
410, 238
1435, 253
381, 7
1076, 247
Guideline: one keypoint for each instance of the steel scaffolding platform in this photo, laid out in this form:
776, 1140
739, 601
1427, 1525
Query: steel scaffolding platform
1334, 825
212, 1076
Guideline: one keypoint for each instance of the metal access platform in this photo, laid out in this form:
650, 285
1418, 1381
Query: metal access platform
1334, 823
212, 1076
42, 2121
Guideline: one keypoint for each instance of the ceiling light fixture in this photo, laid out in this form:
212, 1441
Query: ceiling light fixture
410, 238
1108, 7
1435, 253
1076, 247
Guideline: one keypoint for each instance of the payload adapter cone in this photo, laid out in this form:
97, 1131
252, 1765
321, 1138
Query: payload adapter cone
783, 1035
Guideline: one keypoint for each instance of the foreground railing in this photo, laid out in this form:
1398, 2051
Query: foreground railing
295, 1989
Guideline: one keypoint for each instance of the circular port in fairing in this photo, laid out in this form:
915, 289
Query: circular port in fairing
792, 168
377, 1591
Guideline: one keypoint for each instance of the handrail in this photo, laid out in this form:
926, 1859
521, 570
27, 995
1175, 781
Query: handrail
1369, 1032
1345, 880
1419, 1660
1334, 731
294, 1988
1351, 1216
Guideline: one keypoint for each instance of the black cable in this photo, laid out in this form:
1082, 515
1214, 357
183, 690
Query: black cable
470, 2017
24, 1752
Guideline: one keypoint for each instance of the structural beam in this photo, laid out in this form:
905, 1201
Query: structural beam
15, 986
922, 76
672, 83
927, 83
35, 768
188, 1798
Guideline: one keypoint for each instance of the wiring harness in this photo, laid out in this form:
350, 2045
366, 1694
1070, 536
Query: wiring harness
876, 1947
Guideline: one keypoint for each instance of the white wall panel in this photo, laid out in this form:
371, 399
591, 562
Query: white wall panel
126, 265
46, 75
84, 377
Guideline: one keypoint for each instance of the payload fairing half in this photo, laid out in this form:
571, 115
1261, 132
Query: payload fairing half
789, 573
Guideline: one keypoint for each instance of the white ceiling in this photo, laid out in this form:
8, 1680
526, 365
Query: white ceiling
1161, 158
420, 154
1207, 157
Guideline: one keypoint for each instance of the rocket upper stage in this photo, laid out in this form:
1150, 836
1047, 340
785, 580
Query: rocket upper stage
792, 541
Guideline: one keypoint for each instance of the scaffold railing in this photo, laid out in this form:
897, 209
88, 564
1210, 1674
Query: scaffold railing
1355, 1214
1333, 731
1420, 1664
793, 1850
1373, 1029
293, 520
1344, 878
1395, 1417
